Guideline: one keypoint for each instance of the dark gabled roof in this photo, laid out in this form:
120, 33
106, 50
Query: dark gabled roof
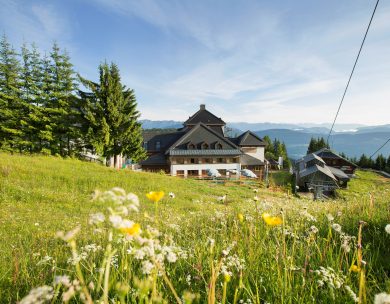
250, 139
205, 117
315, 169
155, 160
165, 139
329, 154
202, 133
248, 160
310, 157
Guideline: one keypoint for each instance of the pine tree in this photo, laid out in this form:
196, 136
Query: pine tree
30, 94
111, 115
11, 107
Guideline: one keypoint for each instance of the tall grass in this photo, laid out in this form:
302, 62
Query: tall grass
204, 251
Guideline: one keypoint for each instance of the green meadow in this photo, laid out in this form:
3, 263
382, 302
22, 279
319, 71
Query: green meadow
190, 247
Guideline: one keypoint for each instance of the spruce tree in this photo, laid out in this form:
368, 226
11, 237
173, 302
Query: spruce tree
111, 114
11, 107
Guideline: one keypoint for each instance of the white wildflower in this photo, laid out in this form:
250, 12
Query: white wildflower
116, 220
147, 267
313, 229
171, 257
69, 294
330, 217
38, 295
387, 228
188, 279
171, 195
70, 235
96, 218
352, 293
46, 260
63, 280
382, 298
36, 224
336, 227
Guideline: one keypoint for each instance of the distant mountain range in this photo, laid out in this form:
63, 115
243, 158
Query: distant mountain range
352, 139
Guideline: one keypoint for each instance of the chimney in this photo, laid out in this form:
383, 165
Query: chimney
203, 107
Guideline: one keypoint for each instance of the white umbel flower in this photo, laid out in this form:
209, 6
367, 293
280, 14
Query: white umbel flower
387, 228
382, 298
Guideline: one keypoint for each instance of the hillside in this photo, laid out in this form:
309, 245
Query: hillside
42, 195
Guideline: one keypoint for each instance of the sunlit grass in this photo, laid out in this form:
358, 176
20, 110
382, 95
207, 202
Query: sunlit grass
279, 264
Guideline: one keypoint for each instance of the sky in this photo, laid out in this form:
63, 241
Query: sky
248, 61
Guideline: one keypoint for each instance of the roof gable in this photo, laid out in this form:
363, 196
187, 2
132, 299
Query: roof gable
326, 153
250, 139
204, 116
201, 133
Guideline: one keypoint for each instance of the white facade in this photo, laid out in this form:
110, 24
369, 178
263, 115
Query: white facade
259, 154
200, 167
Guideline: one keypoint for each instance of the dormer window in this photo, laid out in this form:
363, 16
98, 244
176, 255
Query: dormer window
218, 146
205, 146
191, 146
158, 145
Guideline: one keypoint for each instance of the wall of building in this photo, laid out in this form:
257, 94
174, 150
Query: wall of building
256, 152
200, 167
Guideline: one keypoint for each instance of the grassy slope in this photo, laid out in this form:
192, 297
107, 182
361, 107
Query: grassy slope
41, 195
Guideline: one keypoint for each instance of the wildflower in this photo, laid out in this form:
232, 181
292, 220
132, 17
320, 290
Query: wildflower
255, 198
272, 220
69, 235
36, 224
387, 228
147, 267
96, 218
116, 220
351, 293
313, 229
382, 298
171, 195
336, 227
354, 268
155, 196
227, 277
63, 280
38, 295
255, 190
69, 294
132, 230
330, 217
240, 217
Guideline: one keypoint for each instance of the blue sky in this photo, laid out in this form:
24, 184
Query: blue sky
255, 61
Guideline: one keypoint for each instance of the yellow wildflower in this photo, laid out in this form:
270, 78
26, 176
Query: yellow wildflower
272, 220
155, 196
131, 231
354, 268
227, 277
240, 217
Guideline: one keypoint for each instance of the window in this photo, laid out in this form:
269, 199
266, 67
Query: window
221, 160
192, 161
191, 146
205, 146
218, 146
145, 145
158, 145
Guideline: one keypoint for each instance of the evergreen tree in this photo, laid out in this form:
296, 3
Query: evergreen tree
111, 115
380, 162
11, 107
316, 144
30, 94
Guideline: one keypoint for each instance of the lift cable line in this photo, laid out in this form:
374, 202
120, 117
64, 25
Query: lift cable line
379, 148
353, 69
